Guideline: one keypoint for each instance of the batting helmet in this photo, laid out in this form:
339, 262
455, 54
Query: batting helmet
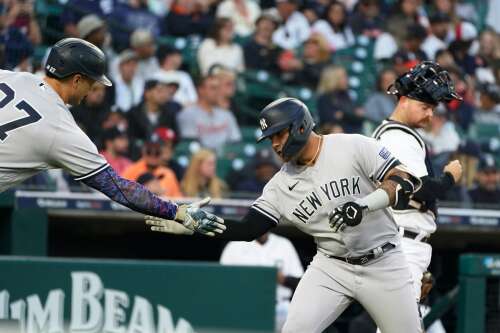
76, 56
287, 113
427, 82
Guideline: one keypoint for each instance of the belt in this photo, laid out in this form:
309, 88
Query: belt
413, 235
375, 253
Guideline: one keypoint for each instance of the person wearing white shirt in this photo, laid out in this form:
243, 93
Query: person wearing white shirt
143, 44
243, 13
219, 49
128, 86
436, 40
269, 250
335, 27
295, 28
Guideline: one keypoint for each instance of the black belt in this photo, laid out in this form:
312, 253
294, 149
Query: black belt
367, 257
413, 235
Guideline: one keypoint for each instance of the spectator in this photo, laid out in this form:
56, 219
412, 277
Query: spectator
93, 29
461, 112
262, 169
200, 179
314, 10
294, 29
76, 9
413, 39
115, 149
489, 105
21, 15
367, 19
260, 52
186, 18
335, 105
462, 36
493, 16
15, 47
379, 105
150, 161
206, 121
487, 55
405, 15
243, 13
436, 40
334, 27
152, 183
219, 49
91, 113
307, 71
132, 15
156, 110
227, 90
117, 119
274, 251
441, 137
167, 135
144, 46
487, 189
128, 86
170, 60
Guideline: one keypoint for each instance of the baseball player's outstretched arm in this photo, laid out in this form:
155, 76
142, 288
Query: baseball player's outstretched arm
138, 198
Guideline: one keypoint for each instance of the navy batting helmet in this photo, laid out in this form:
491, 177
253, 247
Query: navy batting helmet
76, 56
287, 113
427, 82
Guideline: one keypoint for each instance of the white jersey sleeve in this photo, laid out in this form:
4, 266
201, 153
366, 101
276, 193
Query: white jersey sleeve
73, 151
375, 159
268, 202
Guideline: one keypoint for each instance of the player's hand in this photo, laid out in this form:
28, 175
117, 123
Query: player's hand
455, 169
167, 226
349, 214
193, 218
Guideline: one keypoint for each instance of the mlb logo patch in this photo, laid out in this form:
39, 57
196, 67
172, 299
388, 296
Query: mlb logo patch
384, 153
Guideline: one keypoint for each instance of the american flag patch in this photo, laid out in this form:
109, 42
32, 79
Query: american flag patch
384, 153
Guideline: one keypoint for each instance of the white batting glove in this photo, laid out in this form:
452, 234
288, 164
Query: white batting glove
192, 218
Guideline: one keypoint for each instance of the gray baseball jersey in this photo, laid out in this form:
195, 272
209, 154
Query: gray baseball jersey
37, 132
348, 167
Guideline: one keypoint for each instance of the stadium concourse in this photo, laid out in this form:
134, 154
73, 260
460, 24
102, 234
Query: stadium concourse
189, 79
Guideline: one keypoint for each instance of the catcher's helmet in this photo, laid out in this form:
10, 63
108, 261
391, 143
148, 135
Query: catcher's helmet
426, 82
76, 56
287, 113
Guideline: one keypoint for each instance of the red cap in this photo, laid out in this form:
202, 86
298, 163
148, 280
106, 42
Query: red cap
165, 134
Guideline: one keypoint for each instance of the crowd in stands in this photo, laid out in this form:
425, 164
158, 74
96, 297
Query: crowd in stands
189, 77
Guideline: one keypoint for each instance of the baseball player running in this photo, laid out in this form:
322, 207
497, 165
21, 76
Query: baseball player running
419, 91
336, 188
37, 132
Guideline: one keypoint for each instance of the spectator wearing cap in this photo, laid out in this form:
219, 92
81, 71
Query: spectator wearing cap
206, 121
128, 85
143, 44
152, 183
91, 113
334, 27
243, 13
115, 149
294, 29
367, 19
200, 179
219, 49
487, 189
150, 161
260, 52
15, 47
380, 105
489, 105
186, 18
261, 170
92, 29
156, 110
168, 137
170, 60
74, 10
415, 36
439, 29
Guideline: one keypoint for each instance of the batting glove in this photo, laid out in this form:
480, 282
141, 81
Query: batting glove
192, 218
349, 214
